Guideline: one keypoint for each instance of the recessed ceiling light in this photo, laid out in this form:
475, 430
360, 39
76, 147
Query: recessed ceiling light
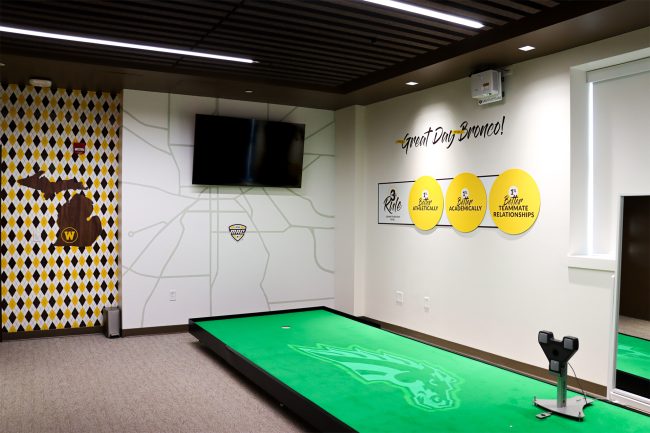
248, 91
121, 44
427, 12
412, 83
526, 48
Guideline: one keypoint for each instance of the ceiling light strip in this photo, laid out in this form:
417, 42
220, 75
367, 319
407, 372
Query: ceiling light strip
121, 44
427, 12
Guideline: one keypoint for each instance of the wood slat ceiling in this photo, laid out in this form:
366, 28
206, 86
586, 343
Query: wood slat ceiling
326, 45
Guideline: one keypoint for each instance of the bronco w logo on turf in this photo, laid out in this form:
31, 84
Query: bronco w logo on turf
426, 387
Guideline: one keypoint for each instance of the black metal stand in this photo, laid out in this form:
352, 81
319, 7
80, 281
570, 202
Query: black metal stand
558, 354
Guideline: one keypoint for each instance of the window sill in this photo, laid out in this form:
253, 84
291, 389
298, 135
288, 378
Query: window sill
597, 262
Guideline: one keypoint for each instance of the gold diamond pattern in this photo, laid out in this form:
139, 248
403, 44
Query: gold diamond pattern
46, 286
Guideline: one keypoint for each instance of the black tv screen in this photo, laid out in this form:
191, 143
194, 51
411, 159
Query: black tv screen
236, 151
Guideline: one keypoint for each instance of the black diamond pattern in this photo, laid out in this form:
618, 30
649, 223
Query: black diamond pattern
45, 115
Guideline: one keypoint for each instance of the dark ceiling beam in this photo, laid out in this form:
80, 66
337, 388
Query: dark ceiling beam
318, 13
562, 12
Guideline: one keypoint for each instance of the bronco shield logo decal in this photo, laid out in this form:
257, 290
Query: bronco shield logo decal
237, 231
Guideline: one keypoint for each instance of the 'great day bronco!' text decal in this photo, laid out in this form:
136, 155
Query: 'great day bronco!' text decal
446, 137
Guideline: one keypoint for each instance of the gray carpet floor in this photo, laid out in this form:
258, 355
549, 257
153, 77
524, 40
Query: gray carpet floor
158, 384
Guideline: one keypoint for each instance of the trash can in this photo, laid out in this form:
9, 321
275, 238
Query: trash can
111, 321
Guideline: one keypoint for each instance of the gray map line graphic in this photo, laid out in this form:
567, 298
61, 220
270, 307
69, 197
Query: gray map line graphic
288, 114
167, 224
131, 233
321, 267
322, 128
165, 191
268, 259
316, 159
225, 232
169, 122
311, 203
214, 212
166, 277
277, 208
242, 191
162, 270
240, 200
179, 195
146, 141
301, 300
285, 217
216, 273
310, 163
249, 211
143, 123
290, 226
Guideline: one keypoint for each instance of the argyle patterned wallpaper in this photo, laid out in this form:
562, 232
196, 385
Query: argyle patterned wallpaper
59, 250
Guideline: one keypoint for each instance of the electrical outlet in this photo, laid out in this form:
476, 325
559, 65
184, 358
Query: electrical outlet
399, 297
427, 304
172, 295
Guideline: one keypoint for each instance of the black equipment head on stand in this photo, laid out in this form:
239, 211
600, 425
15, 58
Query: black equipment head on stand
558, 352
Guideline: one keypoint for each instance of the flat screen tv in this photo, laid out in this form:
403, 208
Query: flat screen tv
250, 152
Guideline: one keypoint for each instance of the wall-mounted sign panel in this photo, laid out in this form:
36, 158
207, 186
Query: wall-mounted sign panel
392, 203
401, 194
426, 203
514, 201
465, 202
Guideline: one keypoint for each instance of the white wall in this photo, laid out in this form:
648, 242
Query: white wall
621, 109
175, 235
488, 290
350, 207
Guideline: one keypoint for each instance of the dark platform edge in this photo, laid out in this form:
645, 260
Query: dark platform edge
286, 396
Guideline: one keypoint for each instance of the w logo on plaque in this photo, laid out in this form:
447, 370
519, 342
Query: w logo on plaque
237, 231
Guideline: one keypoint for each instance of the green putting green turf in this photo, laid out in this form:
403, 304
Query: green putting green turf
376, 381
633, 355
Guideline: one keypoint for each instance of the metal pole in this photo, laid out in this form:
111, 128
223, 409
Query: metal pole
561, 387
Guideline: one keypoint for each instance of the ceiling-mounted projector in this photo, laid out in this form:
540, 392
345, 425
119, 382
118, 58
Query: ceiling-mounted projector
486, 86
